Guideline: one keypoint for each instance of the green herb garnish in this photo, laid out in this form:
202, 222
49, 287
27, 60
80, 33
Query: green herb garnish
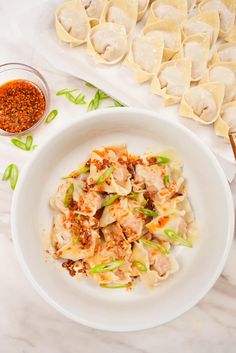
69, 196
88, 84
104, 176
154, 245
65, 91
7, 173
166, 181
96, 101
113, 286
77, 173
140, 266
106, 267
176, 237
133, 196
19, 144
110, 201
117, 104
146, 211
28, 142
51, 116
25, 146
75, 239
162, 160
14, 176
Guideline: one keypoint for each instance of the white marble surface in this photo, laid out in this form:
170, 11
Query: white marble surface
27, 323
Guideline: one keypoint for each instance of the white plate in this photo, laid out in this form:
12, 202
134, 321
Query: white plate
119, 310
37, 27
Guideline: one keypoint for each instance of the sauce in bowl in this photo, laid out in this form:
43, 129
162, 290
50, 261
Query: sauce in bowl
22, 104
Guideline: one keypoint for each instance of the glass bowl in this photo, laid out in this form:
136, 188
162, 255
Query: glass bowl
18, 71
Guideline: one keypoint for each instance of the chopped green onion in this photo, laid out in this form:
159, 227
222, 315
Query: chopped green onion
133, 196
89, 85
103, 95
78, 217
144, 202
80, 99
70, 97
78, 172
75, 239
51, 116
140, 266
162, 160
65, 91
19, 144
14, 176
7, 173
69, 196
166, 181
113, 286
117, 104
110, 201
175, 236
95, 102
105, 175
155, 245
28, 142
146, 211
106, 267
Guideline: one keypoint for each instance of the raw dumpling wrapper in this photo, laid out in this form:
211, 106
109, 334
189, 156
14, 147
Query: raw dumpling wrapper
231, 36
172, 80
122, 12
107, 42
196, 49
226, 53
226, 9
203, 102
205, 23
169, 30
226, 73
191, 4
145, 57
226, 120
168, 10
94, 8
72, 24
142, 8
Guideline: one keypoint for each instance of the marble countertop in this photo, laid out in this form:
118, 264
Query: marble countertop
27, 323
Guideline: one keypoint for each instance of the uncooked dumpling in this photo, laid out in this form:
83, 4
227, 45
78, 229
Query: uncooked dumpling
205, 23
226, 73
142, 8
169, 30
226, 9
203, 102
72, 24
191, 4
145, 57
107, 42
231, 36
226, 120
196, 48
94, 7
168, 10
123, 12
226, 53
172, 80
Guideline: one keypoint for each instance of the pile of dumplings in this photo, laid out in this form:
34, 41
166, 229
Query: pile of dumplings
175, 50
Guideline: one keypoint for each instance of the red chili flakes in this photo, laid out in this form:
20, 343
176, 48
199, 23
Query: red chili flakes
22, 104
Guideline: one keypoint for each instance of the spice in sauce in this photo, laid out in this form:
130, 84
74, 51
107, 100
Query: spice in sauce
22, 104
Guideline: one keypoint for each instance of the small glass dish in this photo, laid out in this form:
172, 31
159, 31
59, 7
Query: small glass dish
18, 71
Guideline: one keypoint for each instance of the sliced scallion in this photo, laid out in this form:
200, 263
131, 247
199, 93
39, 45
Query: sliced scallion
28, 142
7, 173
140, 266
104, 176
155, 245
110, 201
176, 237
133, 196
51, 116
19, 144
106, 267
166, 181
113, 286
77, 173
14, 176
146, 211
162, 160
69, 196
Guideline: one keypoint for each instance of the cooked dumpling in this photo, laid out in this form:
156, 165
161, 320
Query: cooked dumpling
172, 80
226, 53
94, 8
226, 120
122, 12
203, 102
205, 23
142, 8
226, 9
231, 36
72, 24
196, 49
107, 42
168, 10
226, 73
169, 30
191, 4
145, 57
